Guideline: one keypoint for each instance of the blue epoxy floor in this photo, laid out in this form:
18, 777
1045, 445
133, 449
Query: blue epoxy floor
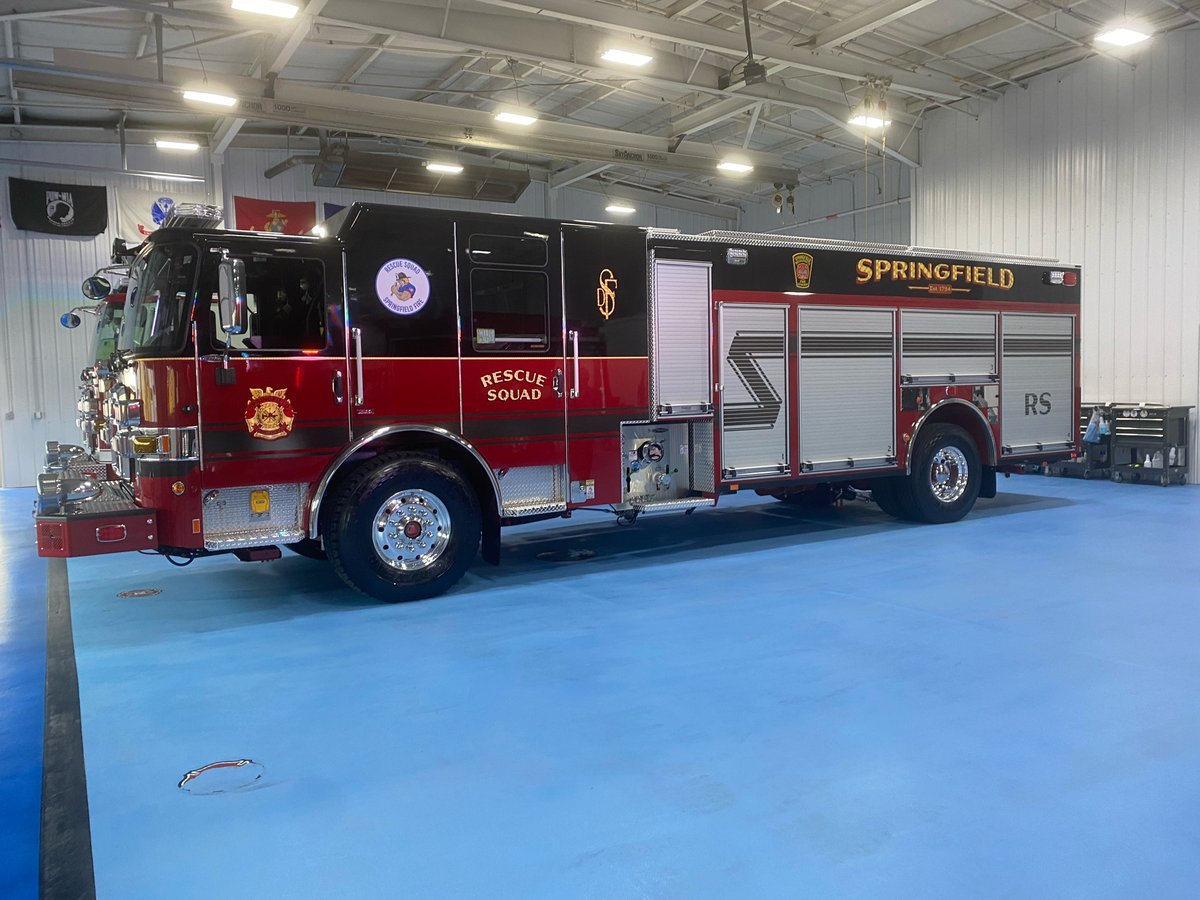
755, 701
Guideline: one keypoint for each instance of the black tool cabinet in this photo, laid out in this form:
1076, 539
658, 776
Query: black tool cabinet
1149, 431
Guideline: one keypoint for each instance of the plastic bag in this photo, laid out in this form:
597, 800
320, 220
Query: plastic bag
1091, 434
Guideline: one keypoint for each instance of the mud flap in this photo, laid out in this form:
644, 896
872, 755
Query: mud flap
987, 485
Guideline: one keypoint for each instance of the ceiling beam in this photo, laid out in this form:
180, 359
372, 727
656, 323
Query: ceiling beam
299, 104
368, 13
870, 19
686, 204
576, 173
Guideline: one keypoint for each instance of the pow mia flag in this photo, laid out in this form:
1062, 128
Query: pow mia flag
58, 208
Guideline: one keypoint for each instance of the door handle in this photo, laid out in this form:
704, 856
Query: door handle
358, 363
338, 393
557, 383
574, 335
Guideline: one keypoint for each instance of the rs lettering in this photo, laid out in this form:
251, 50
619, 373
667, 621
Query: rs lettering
1038, 404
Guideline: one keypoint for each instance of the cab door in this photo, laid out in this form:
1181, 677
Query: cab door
514, 378
273, 405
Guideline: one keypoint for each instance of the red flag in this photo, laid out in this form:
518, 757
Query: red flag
280, 216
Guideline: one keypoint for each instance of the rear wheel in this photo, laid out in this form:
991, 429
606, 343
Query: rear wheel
945, 478
403, 527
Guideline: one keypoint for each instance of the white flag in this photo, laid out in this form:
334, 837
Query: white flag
139, 213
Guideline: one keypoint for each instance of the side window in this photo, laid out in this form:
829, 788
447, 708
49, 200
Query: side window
285, 302
528, 249
509, 311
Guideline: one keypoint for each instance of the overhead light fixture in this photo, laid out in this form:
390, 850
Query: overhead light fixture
1123, 34
625, 57
515, 118
445, 168
266, 8
871, 112
189, 146
319, 231
737, 168
206, 97
620, 209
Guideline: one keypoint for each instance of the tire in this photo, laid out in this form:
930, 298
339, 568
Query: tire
1117, 477
884, 491
308, 548
945, 478
435, 520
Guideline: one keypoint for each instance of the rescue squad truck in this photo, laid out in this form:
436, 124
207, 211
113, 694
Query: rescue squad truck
391, 395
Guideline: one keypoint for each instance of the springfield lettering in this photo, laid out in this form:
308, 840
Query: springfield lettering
936, 278
519, 384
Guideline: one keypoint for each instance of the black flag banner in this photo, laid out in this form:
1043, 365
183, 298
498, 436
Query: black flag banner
58, 208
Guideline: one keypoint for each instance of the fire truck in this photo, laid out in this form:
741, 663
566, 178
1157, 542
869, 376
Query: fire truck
389, 396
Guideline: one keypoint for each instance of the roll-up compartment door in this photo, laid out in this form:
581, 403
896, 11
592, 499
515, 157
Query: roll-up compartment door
1037, 408
680, 355
754, 390
947, 346
847, 388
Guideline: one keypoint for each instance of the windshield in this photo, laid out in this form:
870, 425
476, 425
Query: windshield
107, 326
159, 299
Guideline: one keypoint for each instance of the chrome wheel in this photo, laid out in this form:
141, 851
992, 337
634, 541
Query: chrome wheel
411, 530
948, 474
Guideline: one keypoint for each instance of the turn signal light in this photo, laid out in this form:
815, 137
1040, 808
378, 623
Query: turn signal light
145, 443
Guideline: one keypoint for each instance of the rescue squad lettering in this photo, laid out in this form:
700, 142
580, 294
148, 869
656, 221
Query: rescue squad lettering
526, 385
938, 278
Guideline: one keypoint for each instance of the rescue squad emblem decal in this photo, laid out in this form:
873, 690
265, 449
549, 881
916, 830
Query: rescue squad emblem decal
606, 293
802, 264
269, 414
402, 286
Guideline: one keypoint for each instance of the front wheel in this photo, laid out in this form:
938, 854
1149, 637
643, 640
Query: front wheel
946, 476
403, 527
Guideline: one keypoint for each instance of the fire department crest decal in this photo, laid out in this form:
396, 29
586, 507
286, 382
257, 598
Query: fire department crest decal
269, 414
606, 293
802, 265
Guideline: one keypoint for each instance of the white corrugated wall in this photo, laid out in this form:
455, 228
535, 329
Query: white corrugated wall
40, 277
1098, 165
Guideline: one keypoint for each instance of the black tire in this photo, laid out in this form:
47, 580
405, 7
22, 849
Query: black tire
436, 520
945, 478
308, 548
884, 491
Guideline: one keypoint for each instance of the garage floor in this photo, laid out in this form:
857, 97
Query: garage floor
756, 701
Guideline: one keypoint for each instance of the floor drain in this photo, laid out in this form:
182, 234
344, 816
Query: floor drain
566, 555
140, 592
222, 777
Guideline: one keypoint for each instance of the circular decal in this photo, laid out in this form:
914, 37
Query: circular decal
402, 286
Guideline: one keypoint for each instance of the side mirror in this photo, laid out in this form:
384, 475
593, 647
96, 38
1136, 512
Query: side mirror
97, 288
231, 288
69, 320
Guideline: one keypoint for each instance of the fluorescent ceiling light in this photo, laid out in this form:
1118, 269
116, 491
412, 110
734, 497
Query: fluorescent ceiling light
189, 146
267, 8
727, 165
863, 120
513, 118
625, 57
205, 97
1122, 36
447, 168
620, 208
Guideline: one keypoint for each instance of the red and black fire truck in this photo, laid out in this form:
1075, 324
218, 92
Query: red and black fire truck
392, 394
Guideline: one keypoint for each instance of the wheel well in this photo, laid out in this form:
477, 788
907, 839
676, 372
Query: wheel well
430, 443
967, 417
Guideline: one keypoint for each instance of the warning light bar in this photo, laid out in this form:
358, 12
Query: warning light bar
1069, 279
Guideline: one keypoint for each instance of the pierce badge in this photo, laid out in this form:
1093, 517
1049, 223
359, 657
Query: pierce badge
269, 414
802, 264
606, 293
